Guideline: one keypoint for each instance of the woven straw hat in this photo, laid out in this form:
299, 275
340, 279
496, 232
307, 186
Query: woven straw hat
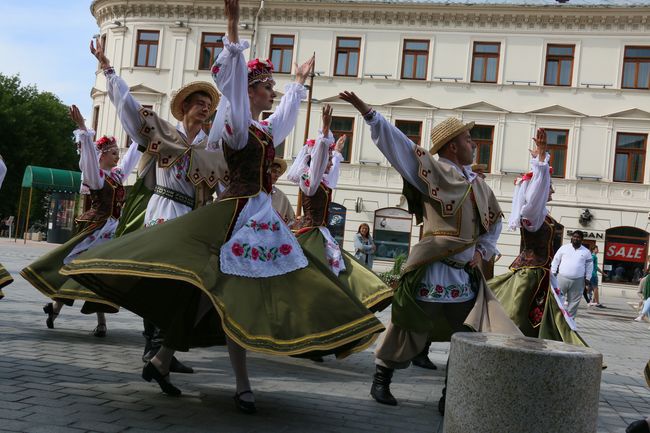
185, 91
445, 131
282, 163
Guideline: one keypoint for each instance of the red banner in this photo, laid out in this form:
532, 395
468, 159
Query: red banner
625, 252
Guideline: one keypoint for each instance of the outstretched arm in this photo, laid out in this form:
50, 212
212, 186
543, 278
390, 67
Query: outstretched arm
392, 142
88, 160
319, 155
534, 209
128, 109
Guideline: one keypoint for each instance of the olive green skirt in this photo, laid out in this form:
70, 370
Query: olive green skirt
44, 275
517, 293
169, 272
362, 282
5, 279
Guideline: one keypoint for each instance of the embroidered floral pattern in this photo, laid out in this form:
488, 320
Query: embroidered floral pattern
182, 166
257, 226
155, 221
428, 292
260, 252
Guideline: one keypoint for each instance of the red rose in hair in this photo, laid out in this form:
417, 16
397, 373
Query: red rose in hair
285, 249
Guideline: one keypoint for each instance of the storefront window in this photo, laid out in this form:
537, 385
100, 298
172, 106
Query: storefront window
392, 232
336, 221
626, 249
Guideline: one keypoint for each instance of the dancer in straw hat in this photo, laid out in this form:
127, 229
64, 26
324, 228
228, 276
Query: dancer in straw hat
232, 272
103, 177
441, 290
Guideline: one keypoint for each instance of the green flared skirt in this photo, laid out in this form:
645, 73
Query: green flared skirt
168, 274
519, 293
5, 279
362, 282
44, 275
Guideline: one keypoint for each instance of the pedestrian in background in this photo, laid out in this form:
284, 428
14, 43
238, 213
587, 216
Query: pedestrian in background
593, 282
364, 247
573, 266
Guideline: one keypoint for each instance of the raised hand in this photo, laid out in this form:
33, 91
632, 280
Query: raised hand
327, 118
231, 9
540, 142
76, 117
98, 51
356, 102
303, 71
340, 143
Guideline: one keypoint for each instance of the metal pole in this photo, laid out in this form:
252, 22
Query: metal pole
307, 120
20, 204
29, 208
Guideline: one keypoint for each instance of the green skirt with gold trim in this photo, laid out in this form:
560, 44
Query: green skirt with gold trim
170, 274
5, 279
44, 275
519, 294
365, 284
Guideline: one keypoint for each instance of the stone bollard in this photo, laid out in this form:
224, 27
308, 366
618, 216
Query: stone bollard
509, 384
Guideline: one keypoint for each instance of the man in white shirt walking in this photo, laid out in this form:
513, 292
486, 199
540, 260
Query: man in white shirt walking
573, 265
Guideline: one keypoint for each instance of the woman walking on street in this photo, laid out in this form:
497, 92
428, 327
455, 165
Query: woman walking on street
364, 246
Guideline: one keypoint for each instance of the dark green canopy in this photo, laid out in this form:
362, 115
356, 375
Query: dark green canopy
51, 179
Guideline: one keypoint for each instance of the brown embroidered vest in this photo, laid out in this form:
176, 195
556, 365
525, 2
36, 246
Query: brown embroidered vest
538, 248
250, 167
315, 209
104, 203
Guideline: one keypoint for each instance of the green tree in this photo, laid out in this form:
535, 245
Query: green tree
34, 130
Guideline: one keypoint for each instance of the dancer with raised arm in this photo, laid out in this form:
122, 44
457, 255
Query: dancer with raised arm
5, 277
441, 290
104, 177
232, 272
316, 171
527, 290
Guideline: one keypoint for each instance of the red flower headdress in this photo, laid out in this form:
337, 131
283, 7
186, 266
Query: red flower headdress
105, 144
260, 71
528, 176
311, 143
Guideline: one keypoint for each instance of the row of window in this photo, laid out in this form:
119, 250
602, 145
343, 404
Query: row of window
415, 58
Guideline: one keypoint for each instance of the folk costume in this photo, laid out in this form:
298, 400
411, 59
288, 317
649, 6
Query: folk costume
438, 293
316, 182
94, 227
5, 277
527, 292
279, 200
232, 267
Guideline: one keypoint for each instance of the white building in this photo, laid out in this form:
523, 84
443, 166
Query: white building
581, 69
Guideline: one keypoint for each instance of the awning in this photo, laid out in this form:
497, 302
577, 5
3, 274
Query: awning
51, 179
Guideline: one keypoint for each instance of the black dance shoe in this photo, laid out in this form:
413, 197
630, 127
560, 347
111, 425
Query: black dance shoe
49, 310
151, 372
380, 389
178, 367
640, 426
100, 331
423, 361
247, 407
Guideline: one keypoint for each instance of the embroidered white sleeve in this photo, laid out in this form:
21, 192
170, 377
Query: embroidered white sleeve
318, 164
128, 109
283, 119
129, 161
487, 242
88, 160
534, 209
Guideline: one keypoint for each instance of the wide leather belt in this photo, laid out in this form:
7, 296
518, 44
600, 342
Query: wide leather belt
176, 196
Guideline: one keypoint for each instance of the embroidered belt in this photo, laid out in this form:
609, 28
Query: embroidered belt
176, 196
453, 263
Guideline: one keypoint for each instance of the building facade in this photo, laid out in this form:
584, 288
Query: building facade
580, 69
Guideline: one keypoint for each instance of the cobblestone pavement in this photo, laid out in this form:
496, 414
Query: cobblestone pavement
66, 380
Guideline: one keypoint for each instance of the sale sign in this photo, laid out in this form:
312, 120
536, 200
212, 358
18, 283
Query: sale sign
625, 252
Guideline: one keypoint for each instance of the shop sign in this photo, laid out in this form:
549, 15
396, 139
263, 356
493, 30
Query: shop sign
625, 252
587, 235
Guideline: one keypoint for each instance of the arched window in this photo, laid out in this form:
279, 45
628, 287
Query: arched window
336, 221
392, 232
626, 252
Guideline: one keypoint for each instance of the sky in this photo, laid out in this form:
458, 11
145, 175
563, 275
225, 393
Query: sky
46, 43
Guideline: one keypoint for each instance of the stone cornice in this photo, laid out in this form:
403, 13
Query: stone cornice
417, 16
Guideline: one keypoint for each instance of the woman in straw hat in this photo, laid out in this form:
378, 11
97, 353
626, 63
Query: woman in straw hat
316, 171
526, 291
279, 201
103, 177
233, 272
5, 277
441, 290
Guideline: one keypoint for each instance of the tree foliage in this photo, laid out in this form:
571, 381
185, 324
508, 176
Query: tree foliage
34, 130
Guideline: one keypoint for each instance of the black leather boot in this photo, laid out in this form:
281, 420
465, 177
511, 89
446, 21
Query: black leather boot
380, 389
422, 359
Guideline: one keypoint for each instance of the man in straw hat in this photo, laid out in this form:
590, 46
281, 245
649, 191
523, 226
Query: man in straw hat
441, 290
279, 201
178, 172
